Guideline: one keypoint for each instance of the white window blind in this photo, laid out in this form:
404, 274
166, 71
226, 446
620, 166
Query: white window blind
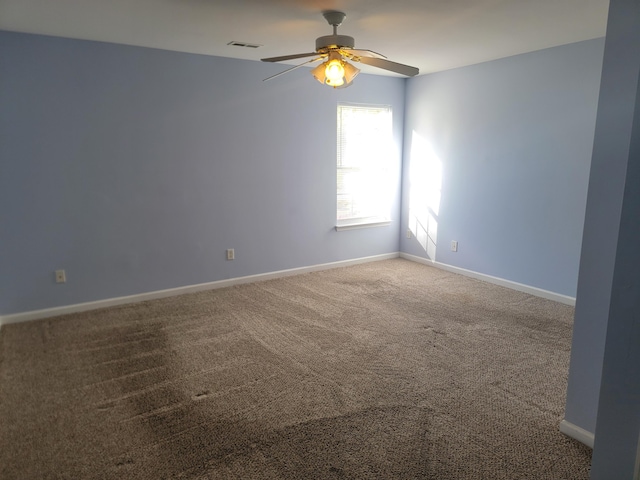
364, 149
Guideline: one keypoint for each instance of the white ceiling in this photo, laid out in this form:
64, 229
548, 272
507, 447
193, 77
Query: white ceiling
432, 35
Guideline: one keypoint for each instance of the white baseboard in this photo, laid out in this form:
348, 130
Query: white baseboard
110, 302
538, 292
577, 433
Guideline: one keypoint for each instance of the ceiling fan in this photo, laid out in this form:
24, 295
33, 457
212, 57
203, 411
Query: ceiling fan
336, 49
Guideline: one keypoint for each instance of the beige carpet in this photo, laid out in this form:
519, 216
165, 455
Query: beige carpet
387, 370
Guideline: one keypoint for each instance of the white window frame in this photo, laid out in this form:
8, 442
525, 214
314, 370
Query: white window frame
364, 156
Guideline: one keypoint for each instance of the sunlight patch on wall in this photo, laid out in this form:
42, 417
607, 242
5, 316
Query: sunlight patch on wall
425, 184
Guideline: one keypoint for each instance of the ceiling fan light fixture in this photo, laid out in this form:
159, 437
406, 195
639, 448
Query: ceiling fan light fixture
335, 72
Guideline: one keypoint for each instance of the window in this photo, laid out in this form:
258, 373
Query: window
364, 156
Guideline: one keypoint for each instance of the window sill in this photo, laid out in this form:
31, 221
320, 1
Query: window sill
352, 226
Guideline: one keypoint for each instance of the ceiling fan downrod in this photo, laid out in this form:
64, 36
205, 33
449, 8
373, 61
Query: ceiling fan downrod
334, 18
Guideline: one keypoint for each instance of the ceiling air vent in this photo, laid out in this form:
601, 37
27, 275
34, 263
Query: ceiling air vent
244, 44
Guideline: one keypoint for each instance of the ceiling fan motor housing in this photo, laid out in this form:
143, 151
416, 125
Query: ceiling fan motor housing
331, 41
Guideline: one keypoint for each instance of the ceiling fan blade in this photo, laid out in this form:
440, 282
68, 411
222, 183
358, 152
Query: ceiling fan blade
362, 53
292, 68
289, 57
391, 66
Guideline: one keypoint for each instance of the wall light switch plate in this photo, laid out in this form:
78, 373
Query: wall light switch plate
61, 276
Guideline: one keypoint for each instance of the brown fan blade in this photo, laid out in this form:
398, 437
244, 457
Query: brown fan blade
289, 57
391, 66
362, 53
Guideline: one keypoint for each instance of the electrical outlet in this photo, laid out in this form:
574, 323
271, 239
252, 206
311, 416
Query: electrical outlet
61, 277
231, 254
454, 245
408, 233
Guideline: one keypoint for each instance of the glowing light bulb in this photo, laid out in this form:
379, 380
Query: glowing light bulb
334, 72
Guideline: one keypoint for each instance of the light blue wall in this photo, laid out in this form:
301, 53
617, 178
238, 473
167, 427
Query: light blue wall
606, 185
603, 394
515, 138
617, 442
134, 169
